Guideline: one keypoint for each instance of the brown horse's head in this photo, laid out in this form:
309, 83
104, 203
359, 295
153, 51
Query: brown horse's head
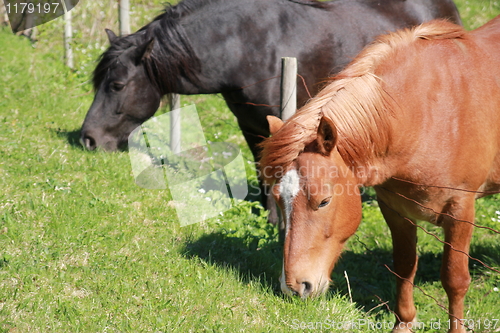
320, 200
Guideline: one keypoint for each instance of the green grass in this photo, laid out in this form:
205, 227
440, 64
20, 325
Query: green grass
83, 249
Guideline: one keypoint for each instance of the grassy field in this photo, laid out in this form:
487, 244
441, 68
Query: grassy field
83, 249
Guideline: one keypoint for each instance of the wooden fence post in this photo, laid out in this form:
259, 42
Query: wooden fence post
4, 18
288, 87
288, 105
68, 36
124, 9
175, 123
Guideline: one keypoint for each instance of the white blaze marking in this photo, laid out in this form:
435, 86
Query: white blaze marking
289, 188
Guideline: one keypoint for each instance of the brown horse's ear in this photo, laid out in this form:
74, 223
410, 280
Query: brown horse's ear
111, 36
327, 136
275, 124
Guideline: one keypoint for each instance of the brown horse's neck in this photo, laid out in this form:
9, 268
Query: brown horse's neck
374, 173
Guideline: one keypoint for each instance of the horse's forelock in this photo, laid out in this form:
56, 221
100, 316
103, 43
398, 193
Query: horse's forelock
108, 58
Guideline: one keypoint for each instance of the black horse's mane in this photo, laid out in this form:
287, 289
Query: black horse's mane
172, 54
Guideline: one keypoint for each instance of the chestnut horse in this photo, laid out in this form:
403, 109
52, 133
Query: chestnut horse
417, 107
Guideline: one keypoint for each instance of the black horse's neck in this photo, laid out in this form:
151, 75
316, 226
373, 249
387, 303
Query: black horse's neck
172, 63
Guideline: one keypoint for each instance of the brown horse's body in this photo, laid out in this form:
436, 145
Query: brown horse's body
417, 116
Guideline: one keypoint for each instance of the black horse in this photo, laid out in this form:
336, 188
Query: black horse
234, 48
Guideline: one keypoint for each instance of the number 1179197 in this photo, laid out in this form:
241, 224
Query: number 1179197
30, 8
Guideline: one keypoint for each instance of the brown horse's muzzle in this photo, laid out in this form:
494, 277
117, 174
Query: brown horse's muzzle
304, 284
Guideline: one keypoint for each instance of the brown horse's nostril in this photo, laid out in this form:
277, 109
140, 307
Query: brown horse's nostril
306, 289
302, 289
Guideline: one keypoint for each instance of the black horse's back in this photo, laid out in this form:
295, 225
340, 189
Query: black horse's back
421, 10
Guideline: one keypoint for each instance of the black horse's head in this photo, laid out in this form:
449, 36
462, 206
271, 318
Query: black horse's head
125, 96
133, 74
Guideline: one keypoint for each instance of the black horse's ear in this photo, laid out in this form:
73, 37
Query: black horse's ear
144, 51
327, 136
111, 36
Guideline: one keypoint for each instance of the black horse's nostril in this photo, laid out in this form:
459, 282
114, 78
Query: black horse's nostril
88, 142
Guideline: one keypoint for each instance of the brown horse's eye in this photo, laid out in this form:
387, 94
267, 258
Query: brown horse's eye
117, 86
325, 202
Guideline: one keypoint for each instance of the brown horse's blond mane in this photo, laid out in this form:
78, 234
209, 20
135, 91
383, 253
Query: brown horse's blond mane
355, 101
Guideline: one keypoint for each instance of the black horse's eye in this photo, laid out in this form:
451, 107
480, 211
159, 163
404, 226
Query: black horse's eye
324, 203
117, 86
